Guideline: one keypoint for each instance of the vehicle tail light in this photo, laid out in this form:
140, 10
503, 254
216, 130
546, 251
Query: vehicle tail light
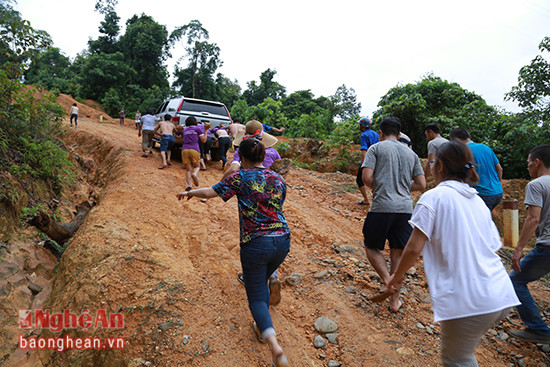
176, 120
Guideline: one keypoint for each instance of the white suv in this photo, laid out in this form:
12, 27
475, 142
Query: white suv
204, 111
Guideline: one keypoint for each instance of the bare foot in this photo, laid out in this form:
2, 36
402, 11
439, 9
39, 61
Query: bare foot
395, 306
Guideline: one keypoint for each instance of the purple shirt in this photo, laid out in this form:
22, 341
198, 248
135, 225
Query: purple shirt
271, 155
191, 137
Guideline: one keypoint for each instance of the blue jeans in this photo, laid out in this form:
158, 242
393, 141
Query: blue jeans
533, 267
260, 257
491, 201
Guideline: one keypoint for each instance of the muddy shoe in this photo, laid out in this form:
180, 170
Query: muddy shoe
530, 336
188, 188
274, 291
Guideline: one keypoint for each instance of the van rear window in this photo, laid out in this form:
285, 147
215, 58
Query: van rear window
204, 107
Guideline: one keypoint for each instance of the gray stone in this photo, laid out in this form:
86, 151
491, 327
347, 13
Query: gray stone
319, 342
420, 325
411, 271
545, 348
325, 325
349, 289
35, 288
333, 363
186, 339
321, 274
332, 338
502, 335
322, 356
205, 346
429, 330
294, 278
346, 248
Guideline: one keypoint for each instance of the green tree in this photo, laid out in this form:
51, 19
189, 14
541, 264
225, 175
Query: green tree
301, 102
239, 110
435, 100
145, 46
533, 89
51, 70
227, 91
311, 126
101, 72
256, 94
19, 42
108, 42
344, 103
204, 60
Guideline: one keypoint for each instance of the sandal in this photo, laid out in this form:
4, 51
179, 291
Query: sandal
363, 202
258, 333
144, 155
162, 166
169, 163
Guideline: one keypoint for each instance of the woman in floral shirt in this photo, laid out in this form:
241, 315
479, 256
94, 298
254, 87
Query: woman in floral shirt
264, 233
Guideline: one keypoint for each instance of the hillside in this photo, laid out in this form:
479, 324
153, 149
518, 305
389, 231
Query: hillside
170, 268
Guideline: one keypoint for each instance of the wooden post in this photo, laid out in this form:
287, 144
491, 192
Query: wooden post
101, 118
510, 220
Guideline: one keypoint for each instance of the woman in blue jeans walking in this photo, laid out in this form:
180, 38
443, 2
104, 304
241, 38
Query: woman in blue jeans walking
264, 233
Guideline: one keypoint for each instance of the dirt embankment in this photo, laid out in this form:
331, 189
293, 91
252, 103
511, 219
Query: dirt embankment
170, 268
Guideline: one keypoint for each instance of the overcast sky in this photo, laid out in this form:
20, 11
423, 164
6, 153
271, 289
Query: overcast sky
369, 46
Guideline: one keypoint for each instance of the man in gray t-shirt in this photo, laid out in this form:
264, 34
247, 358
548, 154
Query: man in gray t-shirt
435, 140
391, 170
537, 263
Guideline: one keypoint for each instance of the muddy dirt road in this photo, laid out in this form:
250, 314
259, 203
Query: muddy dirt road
170, 267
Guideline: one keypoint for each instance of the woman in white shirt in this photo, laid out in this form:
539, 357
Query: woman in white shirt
468, 283
74, 114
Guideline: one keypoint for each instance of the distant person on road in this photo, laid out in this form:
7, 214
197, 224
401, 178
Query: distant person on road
392, 171
74, 114
190, 151
454, 231
138, 118
368, 137
122, 115
264, 233
488, 168
146, 129
435, 140
537, 262
166, 128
